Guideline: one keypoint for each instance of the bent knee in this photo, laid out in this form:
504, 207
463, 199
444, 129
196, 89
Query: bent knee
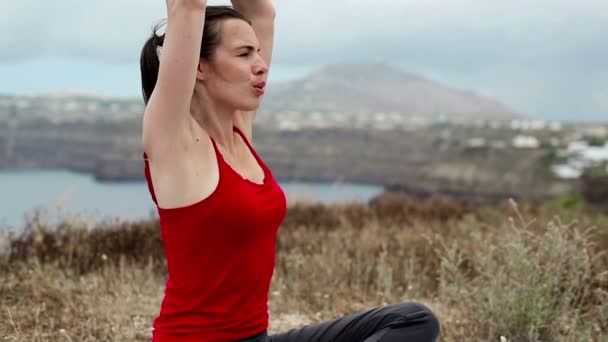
417, 313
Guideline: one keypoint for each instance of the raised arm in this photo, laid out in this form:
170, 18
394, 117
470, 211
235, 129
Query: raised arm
261, 13
169, 105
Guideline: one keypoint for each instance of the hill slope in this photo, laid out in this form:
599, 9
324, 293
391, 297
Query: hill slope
371, 88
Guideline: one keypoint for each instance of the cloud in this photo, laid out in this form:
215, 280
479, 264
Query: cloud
504, 48
107, 32
455, 33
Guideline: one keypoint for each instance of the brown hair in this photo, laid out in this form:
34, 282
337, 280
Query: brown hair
212, 36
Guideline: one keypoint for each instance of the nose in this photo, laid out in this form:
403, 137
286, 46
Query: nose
260, 67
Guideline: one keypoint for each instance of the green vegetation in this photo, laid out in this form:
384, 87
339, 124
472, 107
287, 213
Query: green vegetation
596, 141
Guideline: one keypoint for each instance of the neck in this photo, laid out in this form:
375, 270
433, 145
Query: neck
215, 119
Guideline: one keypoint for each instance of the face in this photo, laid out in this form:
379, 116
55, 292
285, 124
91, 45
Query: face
235, 74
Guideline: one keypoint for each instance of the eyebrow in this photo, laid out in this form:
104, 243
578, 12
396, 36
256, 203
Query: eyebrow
248, 47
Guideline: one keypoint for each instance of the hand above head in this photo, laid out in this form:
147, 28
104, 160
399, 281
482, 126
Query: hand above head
201, 4
254, 7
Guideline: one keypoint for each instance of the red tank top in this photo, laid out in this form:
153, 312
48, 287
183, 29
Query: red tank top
220, 256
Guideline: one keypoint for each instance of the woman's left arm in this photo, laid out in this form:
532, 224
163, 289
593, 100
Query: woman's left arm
261, 13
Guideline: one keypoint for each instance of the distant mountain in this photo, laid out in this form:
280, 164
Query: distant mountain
371, 88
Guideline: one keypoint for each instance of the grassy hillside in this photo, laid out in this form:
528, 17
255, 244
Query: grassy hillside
523, 273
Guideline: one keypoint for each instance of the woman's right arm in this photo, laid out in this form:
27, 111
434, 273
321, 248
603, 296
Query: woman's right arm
166, 114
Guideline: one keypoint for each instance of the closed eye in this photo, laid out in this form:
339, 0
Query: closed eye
250, 50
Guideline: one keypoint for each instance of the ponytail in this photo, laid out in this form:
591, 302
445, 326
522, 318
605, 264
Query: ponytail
150, 61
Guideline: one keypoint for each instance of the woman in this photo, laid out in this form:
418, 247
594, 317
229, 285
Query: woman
219, 205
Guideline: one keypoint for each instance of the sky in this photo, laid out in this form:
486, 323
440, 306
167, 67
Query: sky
545, 59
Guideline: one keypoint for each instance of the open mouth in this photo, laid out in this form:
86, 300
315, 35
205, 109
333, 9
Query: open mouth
259, 89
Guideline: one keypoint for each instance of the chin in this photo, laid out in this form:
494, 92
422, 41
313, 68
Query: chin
247, 107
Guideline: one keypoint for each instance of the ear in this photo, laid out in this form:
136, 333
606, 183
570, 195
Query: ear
202, 70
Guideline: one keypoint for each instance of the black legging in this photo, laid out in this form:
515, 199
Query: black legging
407, 322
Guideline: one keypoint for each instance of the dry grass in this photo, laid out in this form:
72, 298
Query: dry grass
485, 272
